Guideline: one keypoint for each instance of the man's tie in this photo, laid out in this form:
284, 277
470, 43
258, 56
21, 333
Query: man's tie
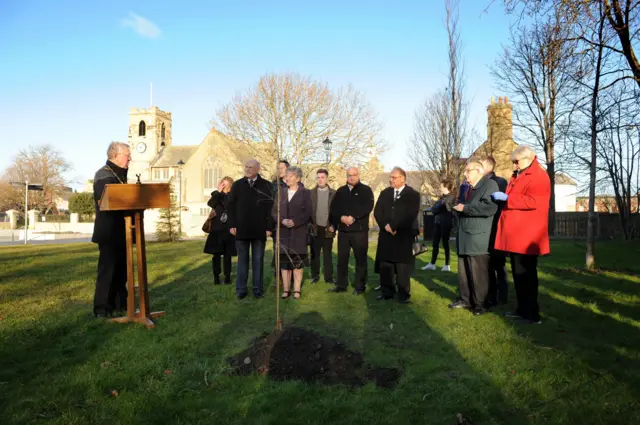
397, 196
251, 183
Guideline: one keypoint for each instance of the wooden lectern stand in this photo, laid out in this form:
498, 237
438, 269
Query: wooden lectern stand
135, 198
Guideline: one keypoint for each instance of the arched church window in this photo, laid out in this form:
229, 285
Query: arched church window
162, 132
142, 128
212, 176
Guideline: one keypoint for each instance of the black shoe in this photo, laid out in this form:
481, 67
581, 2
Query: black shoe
216, 280
459, 304
336, 289
404, 301
102, 314
314, 280
227, 280
377, 288
383, 297
491, 303
241, 296
512, 315
479, 311
358, 291
331, 281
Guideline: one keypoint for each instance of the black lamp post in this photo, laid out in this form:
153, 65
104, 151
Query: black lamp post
180, 164
327, 149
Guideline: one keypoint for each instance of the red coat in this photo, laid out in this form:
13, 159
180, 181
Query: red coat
524, 223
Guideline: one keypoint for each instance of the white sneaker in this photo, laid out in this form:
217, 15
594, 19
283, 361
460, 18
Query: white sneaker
446, 269
429, 267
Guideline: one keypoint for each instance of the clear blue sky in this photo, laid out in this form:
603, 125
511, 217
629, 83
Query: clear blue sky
70, 70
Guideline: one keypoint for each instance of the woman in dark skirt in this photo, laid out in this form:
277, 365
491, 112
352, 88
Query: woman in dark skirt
295, 216
220, 243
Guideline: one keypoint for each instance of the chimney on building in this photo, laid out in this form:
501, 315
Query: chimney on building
499, 121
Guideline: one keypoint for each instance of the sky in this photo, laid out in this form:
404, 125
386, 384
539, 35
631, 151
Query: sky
70, 70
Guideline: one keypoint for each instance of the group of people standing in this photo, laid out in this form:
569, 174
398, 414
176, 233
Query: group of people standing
251, 210
494, 219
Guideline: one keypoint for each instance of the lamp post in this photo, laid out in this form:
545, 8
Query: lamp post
326, 143
27, 188
180, 164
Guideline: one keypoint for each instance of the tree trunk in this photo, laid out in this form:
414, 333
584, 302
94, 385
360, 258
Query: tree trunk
590, 260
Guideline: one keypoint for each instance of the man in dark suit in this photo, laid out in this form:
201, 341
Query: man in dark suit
323, 232
474, 229
349, 214
395, 212
498, 286
109, 233
250, 221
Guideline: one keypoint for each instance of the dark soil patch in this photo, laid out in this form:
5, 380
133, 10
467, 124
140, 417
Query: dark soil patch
299, 354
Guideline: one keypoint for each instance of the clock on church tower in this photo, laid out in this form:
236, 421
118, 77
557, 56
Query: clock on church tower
149, 133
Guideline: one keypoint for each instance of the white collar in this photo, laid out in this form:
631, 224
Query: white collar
400, 189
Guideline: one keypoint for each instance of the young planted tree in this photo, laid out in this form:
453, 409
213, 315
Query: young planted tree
167, 227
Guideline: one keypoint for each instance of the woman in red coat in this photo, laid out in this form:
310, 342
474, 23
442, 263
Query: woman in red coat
523, 229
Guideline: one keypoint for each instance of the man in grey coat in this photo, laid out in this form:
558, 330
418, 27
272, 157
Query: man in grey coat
474, 233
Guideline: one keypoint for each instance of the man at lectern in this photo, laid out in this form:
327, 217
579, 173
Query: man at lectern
109, 234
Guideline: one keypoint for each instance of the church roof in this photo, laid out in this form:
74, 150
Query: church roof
170, 155
564, 179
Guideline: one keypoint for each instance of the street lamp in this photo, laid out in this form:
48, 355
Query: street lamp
180, 164
27, 188
327, 149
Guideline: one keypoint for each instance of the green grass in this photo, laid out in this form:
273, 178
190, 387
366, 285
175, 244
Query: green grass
59, 365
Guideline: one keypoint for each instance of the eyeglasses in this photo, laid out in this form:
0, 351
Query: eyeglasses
467, 171
515, 161
394, 177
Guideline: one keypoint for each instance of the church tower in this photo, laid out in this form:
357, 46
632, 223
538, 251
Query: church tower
149, 134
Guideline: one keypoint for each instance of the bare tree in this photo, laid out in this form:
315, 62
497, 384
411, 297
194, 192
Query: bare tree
440, 127
38, 165
619, 152
291, 115
539, 70
430, 149
620, 17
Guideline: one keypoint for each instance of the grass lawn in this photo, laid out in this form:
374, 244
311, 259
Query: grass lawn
59, 365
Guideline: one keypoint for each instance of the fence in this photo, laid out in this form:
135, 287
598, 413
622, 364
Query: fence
571, 225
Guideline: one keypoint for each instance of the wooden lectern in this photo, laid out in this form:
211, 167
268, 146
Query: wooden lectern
135, 198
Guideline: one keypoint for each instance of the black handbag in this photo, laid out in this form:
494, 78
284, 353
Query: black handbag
418, 247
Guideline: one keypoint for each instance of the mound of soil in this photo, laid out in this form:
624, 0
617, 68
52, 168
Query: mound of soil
300, 354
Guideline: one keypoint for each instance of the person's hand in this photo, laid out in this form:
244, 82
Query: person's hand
350, 220
232, 231
222, 185
459, 207
344, 220
388, 229
331, 229
499, 196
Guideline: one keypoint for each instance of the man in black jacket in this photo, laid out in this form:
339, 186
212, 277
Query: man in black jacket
109, 233
395, 212
249, 219
350, 210
498, 286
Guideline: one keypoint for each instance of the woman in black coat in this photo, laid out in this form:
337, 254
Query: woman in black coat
220, 243
295, 216
442, 224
